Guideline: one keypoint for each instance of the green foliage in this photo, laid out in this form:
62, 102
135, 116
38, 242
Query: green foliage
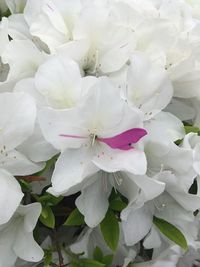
171, 232
47, 217
90, 263
25, 186
75, 218
116, 201
47, 257
108, 260
117, 205
4, 14
98, 254
48, 199
110, 230
191, 129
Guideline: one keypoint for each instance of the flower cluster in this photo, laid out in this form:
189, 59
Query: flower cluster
99, 133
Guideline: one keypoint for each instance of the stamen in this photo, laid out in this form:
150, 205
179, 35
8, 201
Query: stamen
93, 136
72, 136
117, 179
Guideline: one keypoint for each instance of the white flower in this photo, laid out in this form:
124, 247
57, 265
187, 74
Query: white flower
16, 236
95, 193
84, 136
148, 86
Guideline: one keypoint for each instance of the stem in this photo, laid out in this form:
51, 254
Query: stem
58, 248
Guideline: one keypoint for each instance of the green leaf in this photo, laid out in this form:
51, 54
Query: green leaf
117, 205
171, 232
75, 264
75, 218
114, 195
91, 263
108, 260
191, 129
47, 257
25, 186
98, 254
49, 200
47, 217
110, 230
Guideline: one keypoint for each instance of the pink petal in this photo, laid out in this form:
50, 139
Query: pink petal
122, 141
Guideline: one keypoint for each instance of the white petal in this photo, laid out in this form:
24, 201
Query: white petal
137, 225
36, 148
31, 214
97, 108
26, 247
159, 92
53, 123
17, 164
49, 25
23, 58
150, 187
10, 196
118, 49
72, 167
18, 112
163, 129
113, 160
152, 240
18, 29
93, 201
4, 40
59, 80
28, 86
7, 255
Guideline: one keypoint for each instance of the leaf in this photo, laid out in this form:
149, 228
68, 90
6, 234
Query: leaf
98, 254
75, 218
171, 232
108, 260
110, 230
47, 257
49, 199
191, 129
114, 194
25, 186
91, 263
117, 205
47, 217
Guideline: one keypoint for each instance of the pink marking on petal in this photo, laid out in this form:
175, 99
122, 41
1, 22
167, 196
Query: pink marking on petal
72, 136
124, 140
126, 147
